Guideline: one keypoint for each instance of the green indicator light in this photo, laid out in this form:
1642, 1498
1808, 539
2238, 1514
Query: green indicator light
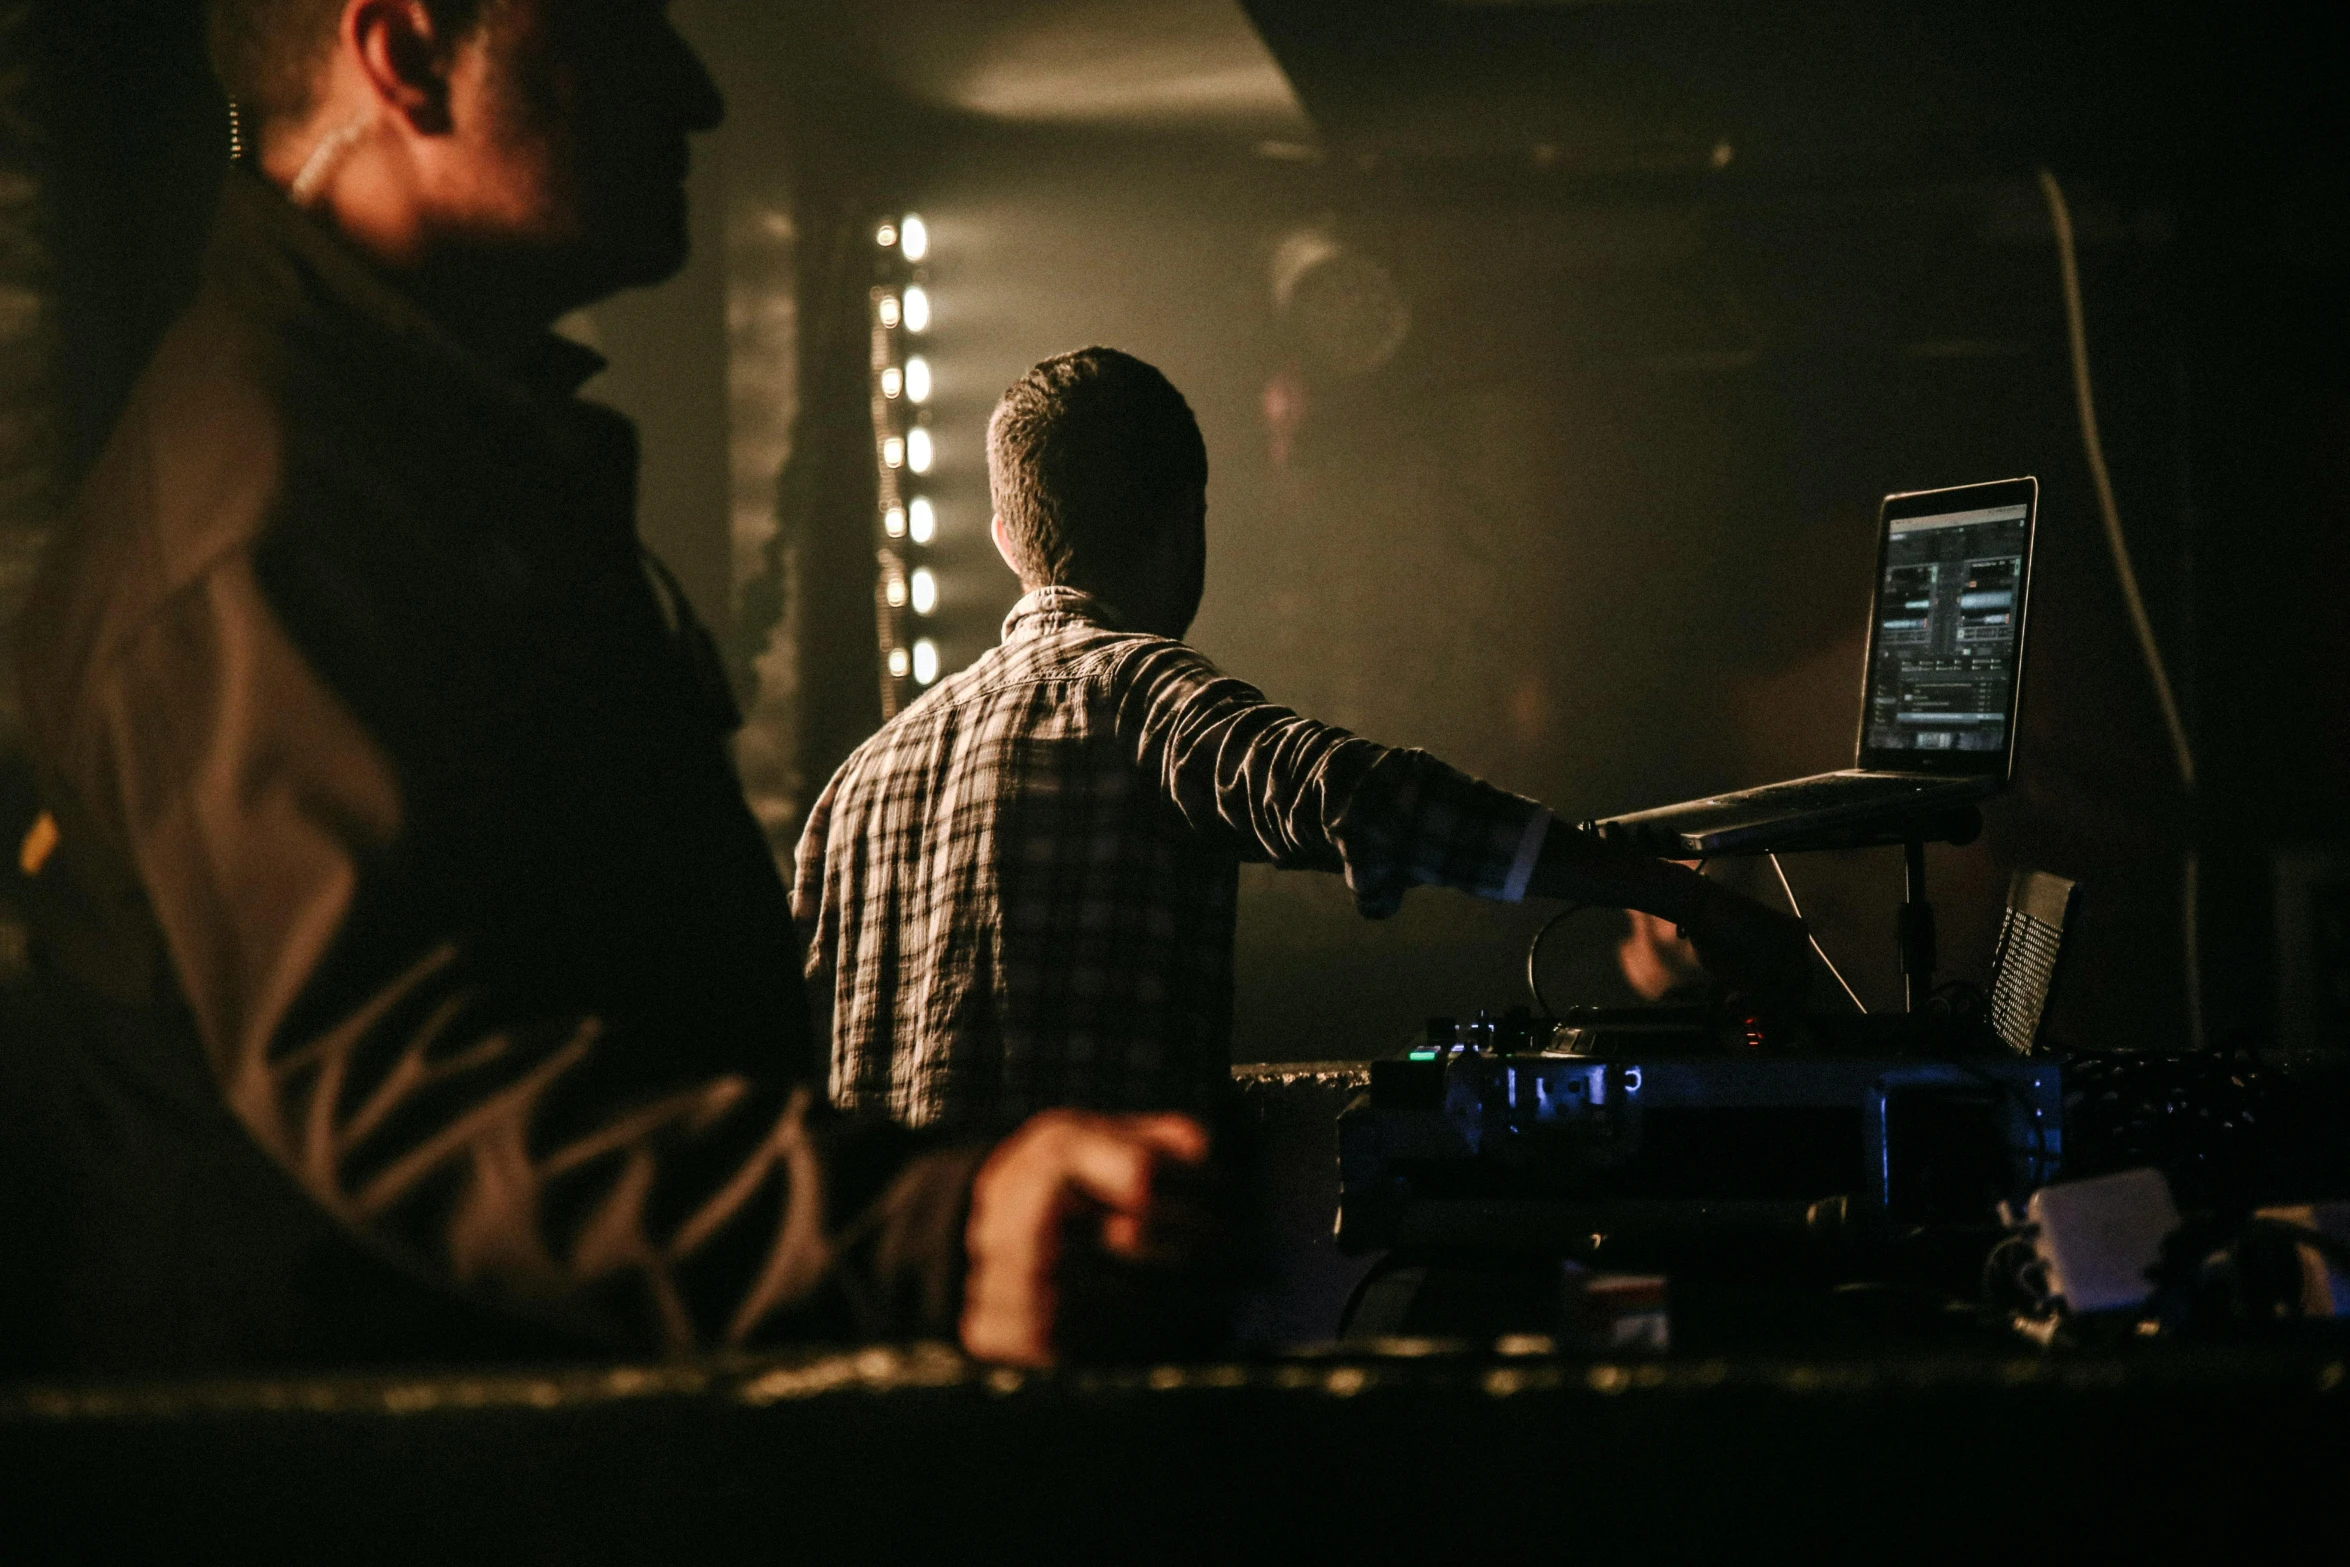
1423, 1055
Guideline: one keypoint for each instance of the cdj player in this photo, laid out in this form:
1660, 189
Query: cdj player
1685, 1125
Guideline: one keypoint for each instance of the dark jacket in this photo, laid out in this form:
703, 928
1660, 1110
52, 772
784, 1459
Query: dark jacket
422, 985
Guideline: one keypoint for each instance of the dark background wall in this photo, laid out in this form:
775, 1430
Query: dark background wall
1688, 288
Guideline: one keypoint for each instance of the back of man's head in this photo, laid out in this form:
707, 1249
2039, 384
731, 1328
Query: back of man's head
1093, 459
268, 53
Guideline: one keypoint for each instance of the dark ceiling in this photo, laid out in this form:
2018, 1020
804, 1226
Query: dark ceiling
1803, 88
1833, 90
1190, 66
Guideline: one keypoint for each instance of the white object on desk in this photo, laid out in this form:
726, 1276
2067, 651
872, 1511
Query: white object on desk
2098, 1237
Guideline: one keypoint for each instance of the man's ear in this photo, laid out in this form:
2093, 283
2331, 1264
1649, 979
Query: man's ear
404, 59
1003, 545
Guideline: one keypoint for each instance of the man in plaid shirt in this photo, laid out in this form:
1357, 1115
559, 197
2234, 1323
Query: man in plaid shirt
1020, 893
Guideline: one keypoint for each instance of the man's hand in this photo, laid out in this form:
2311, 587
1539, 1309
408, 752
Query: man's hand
1058, 1196
1747, 947
1750, 948
1653, 958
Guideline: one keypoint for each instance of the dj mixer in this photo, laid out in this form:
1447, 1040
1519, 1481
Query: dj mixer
1665, 1124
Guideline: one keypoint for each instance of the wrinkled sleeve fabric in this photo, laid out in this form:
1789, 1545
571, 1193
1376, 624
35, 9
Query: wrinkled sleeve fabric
449, 1116
817, 922
1302, 795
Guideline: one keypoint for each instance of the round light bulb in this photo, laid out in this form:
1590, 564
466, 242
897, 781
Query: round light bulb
897, 663
893, 522
920, 454
922, 520
916, 236
893, 381
889, 310
895, 592
925, 591
925, 661
917, 379
917, 310
887, 237
893, 452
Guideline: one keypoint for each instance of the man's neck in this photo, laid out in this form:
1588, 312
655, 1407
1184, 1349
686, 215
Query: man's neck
492, 309
499, 303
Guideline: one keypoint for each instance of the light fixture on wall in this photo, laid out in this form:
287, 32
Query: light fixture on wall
1342, 305
904, 452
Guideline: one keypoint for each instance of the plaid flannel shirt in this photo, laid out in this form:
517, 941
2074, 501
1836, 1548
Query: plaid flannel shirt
1020, 892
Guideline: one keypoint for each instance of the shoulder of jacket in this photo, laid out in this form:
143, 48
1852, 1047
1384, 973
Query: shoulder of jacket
186, 484
196, 463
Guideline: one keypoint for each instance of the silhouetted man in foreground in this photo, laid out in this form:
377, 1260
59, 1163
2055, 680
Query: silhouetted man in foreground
1021, 891
427, 987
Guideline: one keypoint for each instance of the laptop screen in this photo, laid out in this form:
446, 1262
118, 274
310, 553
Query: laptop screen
1944, 653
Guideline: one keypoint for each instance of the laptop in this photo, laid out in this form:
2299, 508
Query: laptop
1938, 693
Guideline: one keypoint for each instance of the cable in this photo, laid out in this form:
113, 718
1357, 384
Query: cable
2191, 939
2084, 393
325, 158
1534, 951
1818, 951
2060, 214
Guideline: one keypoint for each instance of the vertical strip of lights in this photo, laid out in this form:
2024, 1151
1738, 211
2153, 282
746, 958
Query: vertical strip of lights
907, 595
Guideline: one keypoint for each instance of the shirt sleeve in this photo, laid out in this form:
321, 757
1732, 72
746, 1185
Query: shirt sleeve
817, 925
452, 1117
1279, 787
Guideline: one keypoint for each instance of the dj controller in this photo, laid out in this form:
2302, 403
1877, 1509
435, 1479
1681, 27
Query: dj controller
1659, 1130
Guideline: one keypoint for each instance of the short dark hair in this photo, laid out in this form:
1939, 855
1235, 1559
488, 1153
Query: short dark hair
1090, 456
267, 52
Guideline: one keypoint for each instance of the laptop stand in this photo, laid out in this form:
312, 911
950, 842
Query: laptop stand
1913, 922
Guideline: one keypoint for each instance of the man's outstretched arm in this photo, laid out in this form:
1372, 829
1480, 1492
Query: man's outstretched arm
1304, 795
1307, 795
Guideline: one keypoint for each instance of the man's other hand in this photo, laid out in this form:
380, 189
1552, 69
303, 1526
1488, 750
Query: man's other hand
1749, 948
1057, 1199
